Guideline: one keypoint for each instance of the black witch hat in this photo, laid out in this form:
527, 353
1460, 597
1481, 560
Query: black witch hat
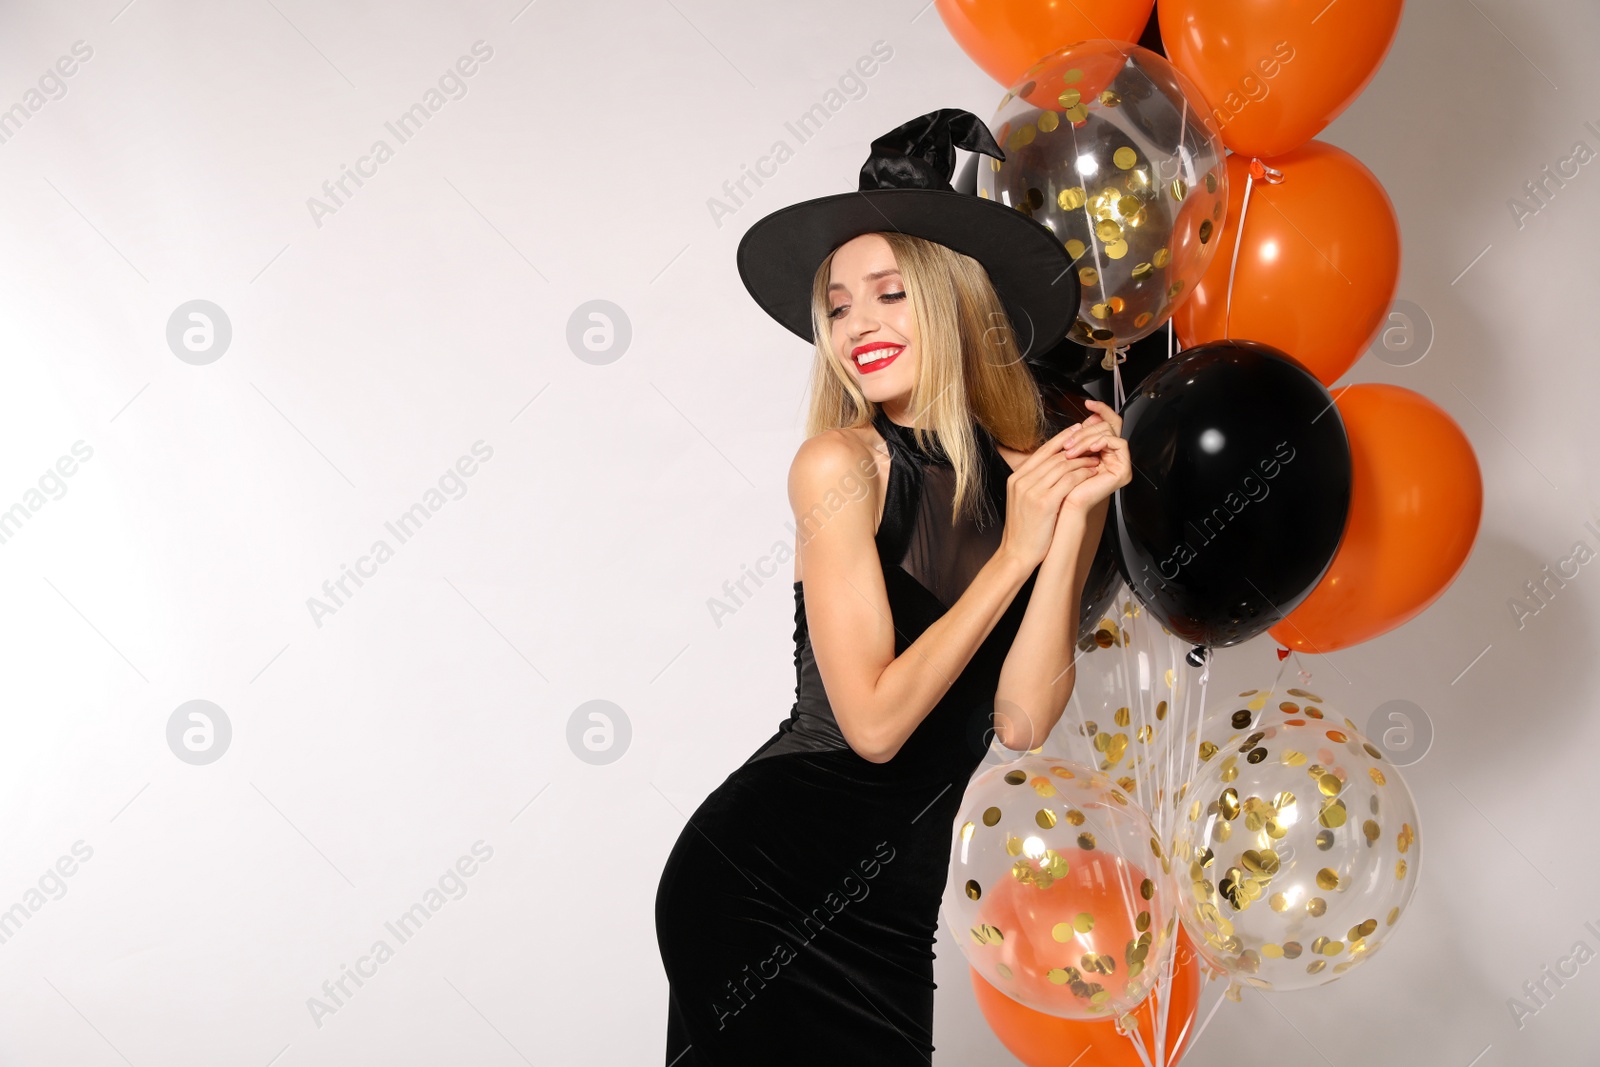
905, 188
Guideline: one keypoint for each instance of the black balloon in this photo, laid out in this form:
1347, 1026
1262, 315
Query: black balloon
1102, 583
1151, 37
1240, 491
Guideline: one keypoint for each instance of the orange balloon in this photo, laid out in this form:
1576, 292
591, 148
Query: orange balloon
1040, 937
1416, 499
1272, 78
1041, 1040
1317, 268
1006, 37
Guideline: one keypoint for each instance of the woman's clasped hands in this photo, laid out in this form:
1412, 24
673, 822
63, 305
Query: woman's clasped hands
1072, 473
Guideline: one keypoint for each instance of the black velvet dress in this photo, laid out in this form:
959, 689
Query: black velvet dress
797, 911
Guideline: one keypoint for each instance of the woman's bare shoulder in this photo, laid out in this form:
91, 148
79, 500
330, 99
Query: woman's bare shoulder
827, 457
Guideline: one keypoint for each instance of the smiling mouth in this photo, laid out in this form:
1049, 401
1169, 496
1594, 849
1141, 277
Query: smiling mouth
877, 358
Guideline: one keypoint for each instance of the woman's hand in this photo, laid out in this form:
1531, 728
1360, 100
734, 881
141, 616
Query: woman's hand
1097, 437
1035, 492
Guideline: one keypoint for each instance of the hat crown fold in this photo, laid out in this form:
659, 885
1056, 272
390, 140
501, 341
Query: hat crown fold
921, 154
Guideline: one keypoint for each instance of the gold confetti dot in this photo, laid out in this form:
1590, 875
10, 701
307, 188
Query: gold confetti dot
1069, 98
973, 889
1117, 249
1228, 803
1327, 878
1045, 818
1333, 815
1205, 230
1049, 121
991, 816
1124, 157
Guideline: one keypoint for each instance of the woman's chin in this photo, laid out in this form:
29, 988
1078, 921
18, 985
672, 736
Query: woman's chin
882, 389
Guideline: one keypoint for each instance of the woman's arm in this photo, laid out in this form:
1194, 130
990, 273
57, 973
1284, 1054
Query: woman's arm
1039, 672
879, 698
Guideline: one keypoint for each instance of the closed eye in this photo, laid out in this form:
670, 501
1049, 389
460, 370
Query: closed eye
885, 297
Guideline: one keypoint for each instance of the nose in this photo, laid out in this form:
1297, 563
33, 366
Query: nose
860, 322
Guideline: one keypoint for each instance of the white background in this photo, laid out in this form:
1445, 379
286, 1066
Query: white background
430, 711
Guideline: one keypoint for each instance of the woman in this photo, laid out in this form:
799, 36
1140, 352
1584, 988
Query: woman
941, 552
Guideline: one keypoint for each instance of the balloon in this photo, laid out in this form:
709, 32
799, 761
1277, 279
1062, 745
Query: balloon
1041, 1040
1151, 36
1108, 146
1007, 37
1130, 671
1240, 491
1276, 72
1416, 499
1318, 266
1048, 893
1300, 844
1099, 587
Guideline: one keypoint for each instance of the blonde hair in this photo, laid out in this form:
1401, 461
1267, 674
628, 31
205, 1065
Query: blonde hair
968, 366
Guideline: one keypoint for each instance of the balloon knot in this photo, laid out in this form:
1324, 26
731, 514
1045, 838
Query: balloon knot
1263, 173
1283, 654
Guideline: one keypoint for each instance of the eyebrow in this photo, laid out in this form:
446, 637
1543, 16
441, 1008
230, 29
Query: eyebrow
874, 276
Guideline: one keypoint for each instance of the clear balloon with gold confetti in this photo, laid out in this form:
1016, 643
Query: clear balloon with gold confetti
1056, 889
1130, 691
1114, 149
1298, 849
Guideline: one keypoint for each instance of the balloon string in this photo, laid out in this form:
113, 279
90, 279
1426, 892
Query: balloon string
1238, 239
1270, 175
1207, 1022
